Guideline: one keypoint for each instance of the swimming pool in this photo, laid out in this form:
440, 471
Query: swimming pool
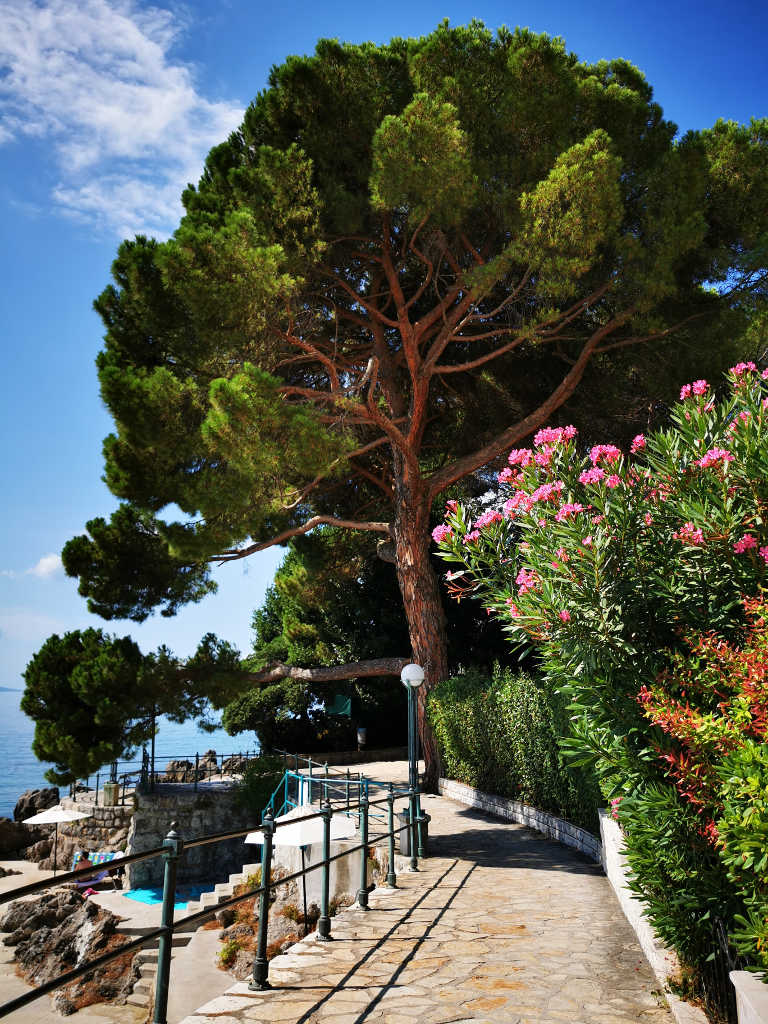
184, 893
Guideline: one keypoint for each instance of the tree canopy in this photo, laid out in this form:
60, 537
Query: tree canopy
94, 697
334, 602
402, 263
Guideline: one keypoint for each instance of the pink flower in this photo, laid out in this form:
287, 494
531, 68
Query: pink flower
526, 581
763, 552
543, 458
689, 534
514, 611
587, 541
441, 533
451, 506
647, 518
615, 807
638, 442
713, 456
591, 476
491, 516
471, 537
699, 387
569, 509
741, 368
547, 492
685, 392
745, 544
520, 457
565, 616
552, 435
609, 452
613, 480
562, 554
506, 475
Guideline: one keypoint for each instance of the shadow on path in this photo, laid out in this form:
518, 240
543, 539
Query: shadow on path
342, 984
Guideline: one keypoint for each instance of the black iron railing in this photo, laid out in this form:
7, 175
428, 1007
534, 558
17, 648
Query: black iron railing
130, 774
172, 850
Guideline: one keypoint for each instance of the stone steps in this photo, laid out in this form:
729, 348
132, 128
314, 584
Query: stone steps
147, 958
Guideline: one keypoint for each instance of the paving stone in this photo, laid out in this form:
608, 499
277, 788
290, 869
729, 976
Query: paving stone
499, 927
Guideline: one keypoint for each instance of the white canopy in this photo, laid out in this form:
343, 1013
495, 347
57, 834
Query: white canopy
54, 816
304, 833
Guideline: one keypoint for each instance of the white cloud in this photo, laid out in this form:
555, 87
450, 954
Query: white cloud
127, 125
48, 566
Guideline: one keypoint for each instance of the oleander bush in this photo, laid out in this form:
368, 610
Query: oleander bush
627, 573
500, 734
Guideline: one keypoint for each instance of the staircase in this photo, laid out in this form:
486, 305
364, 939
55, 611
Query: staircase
144, 989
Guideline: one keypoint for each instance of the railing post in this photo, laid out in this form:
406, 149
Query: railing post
172, 846
391, 876
348, 785
259, 982
96, 801
197, 766
362, 894
412, 798
324, 922
310, 779
422, 820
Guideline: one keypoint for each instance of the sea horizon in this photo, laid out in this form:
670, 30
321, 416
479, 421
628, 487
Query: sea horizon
23, 771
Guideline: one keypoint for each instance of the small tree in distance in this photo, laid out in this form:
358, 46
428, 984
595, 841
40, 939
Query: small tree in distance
401, 264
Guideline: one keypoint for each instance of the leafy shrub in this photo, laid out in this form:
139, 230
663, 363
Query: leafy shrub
257, 782
606, 564
501, 735
228, 952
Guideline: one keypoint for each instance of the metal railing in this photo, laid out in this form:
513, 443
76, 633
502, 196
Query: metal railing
172, 850
140, 772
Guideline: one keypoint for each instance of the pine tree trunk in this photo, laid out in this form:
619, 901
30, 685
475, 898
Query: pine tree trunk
419, 587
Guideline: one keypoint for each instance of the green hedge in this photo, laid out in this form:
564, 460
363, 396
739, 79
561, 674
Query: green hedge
500, 735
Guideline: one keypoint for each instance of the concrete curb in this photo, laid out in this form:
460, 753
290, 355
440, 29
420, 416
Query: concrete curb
608, 854
548, 824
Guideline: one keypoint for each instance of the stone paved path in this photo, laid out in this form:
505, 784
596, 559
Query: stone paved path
499, 925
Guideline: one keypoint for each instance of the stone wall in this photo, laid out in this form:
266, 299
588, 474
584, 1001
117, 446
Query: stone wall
344, 757
206, 812
552, 827
105, 829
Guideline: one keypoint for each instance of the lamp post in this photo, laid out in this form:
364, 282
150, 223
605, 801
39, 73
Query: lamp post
412, 676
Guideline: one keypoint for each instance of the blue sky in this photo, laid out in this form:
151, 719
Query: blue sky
107, 108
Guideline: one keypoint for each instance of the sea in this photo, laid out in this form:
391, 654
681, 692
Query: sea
21, 770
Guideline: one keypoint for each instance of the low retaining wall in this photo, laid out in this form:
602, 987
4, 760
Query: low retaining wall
344, 757
551, 826
196, 814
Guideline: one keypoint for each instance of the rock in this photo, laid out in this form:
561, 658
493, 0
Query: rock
180, 771
60, 931
4, 872
39, 850
234, 765
32, 801
226, 916
14, 836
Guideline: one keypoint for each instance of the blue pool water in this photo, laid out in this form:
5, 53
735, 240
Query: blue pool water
184, 893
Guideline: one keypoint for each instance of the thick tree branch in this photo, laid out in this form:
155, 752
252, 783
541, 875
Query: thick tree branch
274, 673
461, 467
235, 554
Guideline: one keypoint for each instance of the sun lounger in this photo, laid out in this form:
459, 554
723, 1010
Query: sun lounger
106, 875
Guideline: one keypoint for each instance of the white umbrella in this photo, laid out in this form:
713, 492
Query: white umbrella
304, 834
52, 816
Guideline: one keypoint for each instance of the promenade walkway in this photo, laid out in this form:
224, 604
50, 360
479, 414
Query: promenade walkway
499, 925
